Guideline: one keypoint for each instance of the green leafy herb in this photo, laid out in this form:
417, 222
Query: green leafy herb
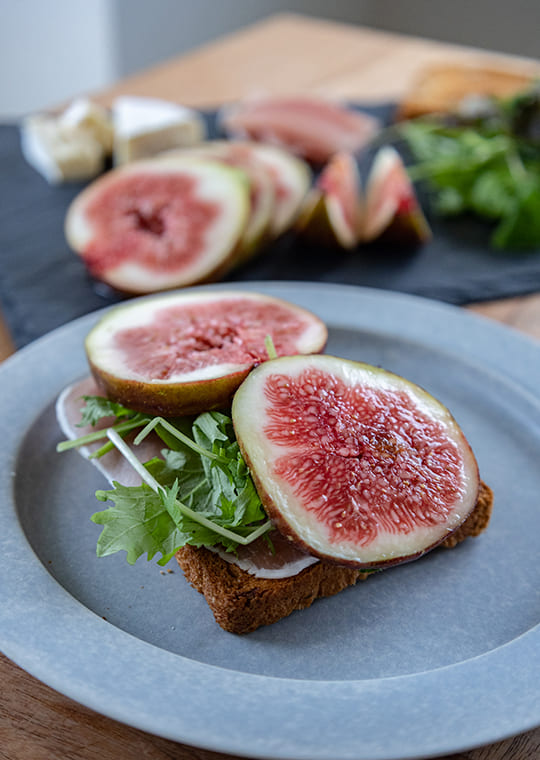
97, 408
199, 492
489, 166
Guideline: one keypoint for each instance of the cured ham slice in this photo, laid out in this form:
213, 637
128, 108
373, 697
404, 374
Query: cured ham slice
257, 558
112, 464
310, 127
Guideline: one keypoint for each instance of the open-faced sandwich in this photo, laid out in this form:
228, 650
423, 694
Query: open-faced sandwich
273, 473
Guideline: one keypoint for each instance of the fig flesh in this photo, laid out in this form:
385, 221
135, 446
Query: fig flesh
261, 188
188, 352
332, 213
352, 463
290, 176
157, 225
392, 210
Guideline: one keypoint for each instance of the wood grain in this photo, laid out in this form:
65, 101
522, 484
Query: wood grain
287, 53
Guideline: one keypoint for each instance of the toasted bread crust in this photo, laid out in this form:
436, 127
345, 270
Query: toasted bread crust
440, 88
242, 602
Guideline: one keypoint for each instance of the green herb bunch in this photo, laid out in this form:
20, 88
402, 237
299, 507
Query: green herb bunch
487, 163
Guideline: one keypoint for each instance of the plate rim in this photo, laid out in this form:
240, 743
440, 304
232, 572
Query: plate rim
33, 656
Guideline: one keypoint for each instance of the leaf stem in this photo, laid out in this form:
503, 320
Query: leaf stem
98, 435
178, 435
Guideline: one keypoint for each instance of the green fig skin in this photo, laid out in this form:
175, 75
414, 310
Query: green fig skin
170, 399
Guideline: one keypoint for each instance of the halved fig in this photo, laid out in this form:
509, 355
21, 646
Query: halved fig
392, 209
353, 464
332, 213
312, 127
186, 353
156, 225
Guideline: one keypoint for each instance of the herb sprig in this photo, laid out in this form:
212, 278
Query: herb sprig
199, 492
488, 164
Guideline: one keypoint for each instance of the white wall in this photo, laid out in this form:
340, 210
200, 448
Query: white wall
148, 31
51, 50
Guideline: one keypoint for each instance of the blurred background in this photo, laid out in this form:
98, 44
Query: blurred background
51, 50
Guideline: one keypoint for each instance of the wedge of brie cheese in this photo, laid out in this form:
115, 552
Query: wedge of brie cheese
144, 127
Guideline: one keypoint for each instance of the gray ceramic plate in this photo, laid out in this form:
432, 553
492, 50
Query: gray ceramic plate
432, 657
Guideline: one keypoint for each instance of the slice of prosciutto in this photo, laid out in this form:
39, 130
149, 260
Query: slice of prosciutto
256, 558
311, 127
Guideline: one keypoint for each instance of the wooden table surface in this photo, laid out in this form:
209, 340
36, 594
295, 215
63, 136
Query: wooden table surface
285, 53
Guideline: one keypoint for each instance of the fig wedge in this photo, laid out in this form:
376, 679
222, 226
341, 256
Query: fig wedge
392, 210
290, 176
332, 212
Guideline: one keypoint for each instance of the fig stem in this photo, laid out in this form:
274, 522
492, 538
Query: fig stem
150, 481
177, 434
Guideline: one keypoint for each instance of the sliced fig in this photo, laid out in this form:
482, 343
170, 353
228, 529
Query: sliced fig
261, 189
354, 464
290, 175
392, 208
311, 127
156, 225
292, 179
187, 352
332, 213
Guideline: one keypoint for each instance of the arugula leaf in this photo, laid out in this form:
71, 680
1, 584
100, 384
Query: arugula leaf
139, 523
97, 408
200, 499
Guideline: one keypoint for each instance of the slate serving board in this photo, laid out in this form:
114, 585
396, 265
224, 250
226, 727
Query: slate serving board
43, 284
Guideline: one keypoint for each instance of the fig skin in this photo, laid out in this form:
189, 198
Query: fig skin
274, 496
173, 399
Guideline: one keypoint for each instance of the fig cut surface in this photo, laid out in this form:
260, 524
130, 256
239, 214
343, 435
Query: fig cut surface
353, 463
157, 225
187, 352
332, 212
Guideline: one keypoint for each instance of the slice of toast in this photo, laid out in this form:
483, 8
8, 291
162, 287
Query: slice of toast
242, 602
440, 88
